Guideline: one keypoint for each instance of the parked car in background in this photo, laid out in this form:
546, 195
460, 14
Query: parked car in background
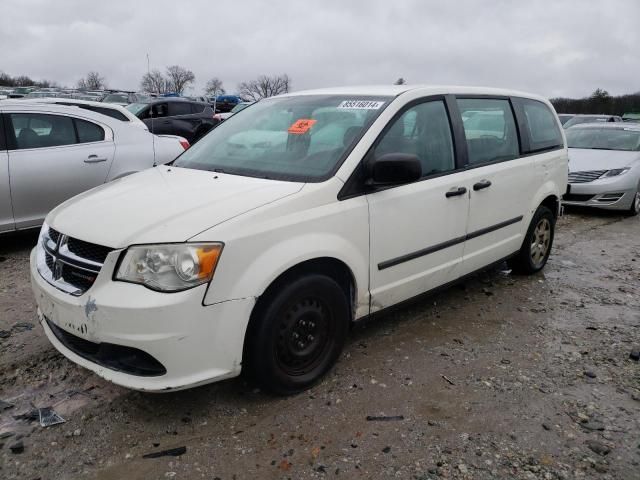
565, 117
109, 109
125, 98
238, 108
49, 153
578, 119
631, 117
176, 116
260, 245
224, 103
20, 92
604, 166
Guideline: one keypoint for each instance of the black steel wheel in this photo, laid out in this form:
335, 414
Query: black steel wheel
297, 333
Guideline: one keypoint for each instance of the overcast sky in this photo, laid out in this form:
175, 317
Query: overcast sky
557, 47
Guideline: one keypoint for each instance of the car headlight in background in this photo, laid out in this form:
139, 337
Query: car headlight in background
169, 267
615, 172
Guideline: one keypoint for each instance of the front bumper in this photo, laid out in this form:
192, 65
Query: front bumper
610, 194
194, 344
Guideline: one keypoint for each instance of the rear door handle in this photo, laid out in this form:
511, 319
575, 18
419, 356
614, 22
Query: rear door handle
95, 159
481, 185
455, 191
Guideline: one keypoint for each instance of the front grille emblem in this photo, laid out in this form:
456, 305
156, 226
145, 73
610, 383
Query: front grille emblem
56, 270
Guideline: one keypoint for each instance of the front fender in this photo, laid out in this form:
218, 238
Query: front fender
264, 269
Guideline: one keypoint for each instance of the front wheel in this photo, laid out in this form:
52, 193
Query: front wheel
297, 334
634, 209
536, 247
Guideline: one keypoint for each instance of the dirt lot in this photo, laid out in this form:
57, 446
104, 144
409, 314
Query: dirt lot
500, 377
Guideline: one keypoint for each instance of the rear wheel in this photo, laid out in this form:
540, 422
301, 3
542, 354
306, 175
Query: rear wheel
537, 243
297, 334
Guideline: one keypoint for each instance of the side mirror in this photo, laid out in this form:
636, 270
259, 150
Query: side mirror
393, 169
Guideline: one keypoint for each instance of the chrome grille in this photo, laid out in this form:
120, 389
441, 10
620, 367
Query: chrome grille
69, 264
586, 176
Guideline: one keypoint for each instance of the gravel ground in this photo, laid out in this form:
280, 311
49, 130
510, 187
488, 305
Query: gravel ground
500, 377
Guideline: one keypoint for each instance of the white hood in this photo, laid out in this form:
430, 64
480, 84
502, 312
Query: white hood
162, 204
583, 159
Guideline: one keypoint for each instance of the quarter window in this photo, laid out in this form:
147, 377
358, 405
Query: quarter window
490, 130
542, 126
89, 132
37, 130
423, 131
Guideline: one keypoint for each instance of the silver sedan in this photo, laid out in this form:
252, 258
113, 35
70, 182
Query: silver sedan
604, 166
49, 153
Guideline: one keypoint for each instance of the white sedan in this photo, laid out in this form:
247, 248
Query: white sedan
604, 166
50, 153
109, 109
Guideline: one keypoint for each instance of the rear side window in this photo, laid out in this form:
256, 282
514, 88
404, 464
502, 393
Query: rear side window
179, 108
542, 126
197, 107
38, 130
88, 132
490, 130
423, 131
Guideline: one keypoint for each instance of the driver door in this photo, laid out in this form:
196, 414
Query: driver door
417, 231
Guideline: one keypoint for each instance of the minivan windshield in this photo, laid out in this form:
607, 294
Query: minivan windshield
603, 138
298, 138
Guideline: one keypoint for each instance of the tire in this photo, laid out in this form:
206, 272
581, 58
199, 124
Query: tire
297, 334
634, 209
536, 247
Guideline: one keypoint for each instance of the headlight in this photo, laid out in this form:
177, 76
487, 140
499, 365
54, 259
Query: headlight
171, 267
615, 172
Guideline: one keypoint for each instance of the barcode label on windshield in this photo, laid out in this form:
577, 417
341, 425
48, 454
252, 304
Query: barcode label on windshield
361, 105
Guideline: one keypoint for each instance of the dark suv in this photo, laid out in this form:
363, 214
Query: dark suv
176, 116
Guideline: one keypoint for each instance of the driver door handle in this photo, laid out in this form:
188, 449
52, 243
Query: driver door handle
456, 191
481, 185
95, 159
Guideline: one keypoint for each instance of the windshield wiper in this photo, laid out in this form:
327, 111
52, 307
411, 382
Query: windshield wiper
601, 148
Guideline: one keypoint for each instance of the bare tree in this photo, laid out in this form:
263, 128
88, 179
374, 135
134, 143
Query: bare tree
93, 81
400, 81
154, 82
264, 86
214, 87
179, 78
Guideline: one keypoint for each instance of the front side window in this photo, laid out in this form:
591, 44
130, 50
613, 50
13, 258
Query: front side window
300, 138
603, 138
542, 126
159, 110
423, 131
37, 130
490, 130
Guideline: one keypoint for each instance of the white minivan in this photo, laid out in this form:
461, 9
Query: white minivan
258, 247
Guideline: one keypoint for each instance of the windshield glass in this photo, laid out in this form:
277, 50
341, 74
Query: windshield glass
136, 108
116, 98
240, 106
301, 138
604, 138
579, 120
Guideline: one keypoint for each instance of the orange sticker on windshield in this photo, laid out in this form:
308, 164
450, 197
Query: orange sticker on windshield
301, 126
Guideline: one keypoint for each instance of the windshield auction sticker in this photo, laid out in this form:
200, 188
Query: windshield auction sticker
361, 105
301, 126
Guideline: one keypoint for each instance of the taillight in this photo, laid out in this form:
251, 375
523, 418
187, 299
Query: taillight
185, 143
